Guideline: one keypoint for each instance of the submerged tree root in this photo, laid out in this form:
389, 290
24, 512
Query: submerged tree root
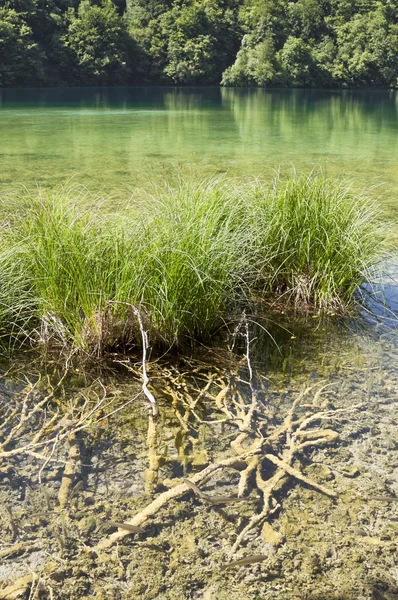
18, 589
163, 499
264, 451
68, 476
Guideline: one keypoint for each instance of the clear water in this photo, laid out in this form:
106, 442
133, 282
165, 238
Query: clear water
115, 140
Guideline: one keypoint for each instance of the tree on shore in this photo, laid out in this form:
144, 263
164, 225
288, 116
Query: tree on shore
305, 43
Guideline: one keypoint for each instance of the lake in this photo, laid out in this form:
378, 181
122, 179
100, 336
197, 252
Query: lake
115, 140
325, 536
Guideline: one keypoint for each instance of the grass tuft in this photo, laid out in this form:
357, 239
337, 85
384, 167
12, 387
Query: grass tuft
316, 242
186, 257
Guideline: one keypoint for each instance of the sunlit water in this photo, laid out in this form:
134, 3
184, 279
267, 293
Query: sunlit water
118, 141
115, 139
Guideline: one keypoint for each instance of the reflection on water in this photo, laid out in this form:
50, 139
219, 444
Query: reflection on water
119, 139
324, 532
115, 139
289, 344
381, 297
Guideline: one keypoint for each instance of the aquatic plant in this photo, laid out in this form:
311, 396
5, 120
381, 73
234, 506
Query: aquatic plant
316, 241
192, 258
178, 257
187, 258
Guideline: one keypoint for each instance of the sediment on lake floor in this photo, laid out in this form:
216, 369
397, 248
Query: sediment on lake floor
317, 529
181, 263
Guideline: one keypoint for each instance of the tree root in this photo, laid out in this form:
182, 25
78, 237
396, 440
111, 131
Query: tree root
17, 549
68, 476
254, 450
163, 499
154, 458
266, 450
16, 589
298, 475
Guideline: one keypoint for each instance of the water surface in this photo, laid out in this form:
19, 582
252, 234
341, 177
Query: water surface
115, 139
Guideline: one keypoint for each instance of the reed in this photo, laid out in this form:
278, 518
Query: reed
186, 257
316, 242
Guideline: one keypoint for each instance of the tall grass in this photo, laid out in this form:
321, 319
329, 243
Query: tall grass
186, 257
177, 257
192, 258
316, 241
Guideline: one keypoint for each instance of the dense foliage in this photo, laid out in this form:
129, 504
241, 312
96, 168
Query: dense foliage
324, 43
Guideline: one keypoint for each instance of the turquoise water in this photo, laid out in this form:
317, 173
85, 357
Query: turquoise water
118, 140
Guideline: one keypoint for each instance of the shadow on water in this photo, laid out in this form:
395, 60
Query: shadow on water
187, 540
380, 297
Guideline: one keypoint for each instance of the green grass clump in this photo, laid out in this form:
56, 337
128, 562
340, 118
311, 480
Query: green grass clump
316, 242
192, 258
17, 300
187, 258
173, 257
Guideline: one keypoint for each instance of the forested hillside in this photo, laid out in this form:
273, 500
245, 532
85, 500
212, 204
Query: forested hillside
323, 43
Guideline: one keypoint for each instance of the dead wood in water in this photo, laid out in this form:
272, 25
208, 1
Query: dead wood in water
265, 447
258, 441
69, 471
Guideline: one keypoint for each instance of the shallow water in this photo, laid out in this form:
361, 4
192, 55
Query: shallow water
115, 139
314, 547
